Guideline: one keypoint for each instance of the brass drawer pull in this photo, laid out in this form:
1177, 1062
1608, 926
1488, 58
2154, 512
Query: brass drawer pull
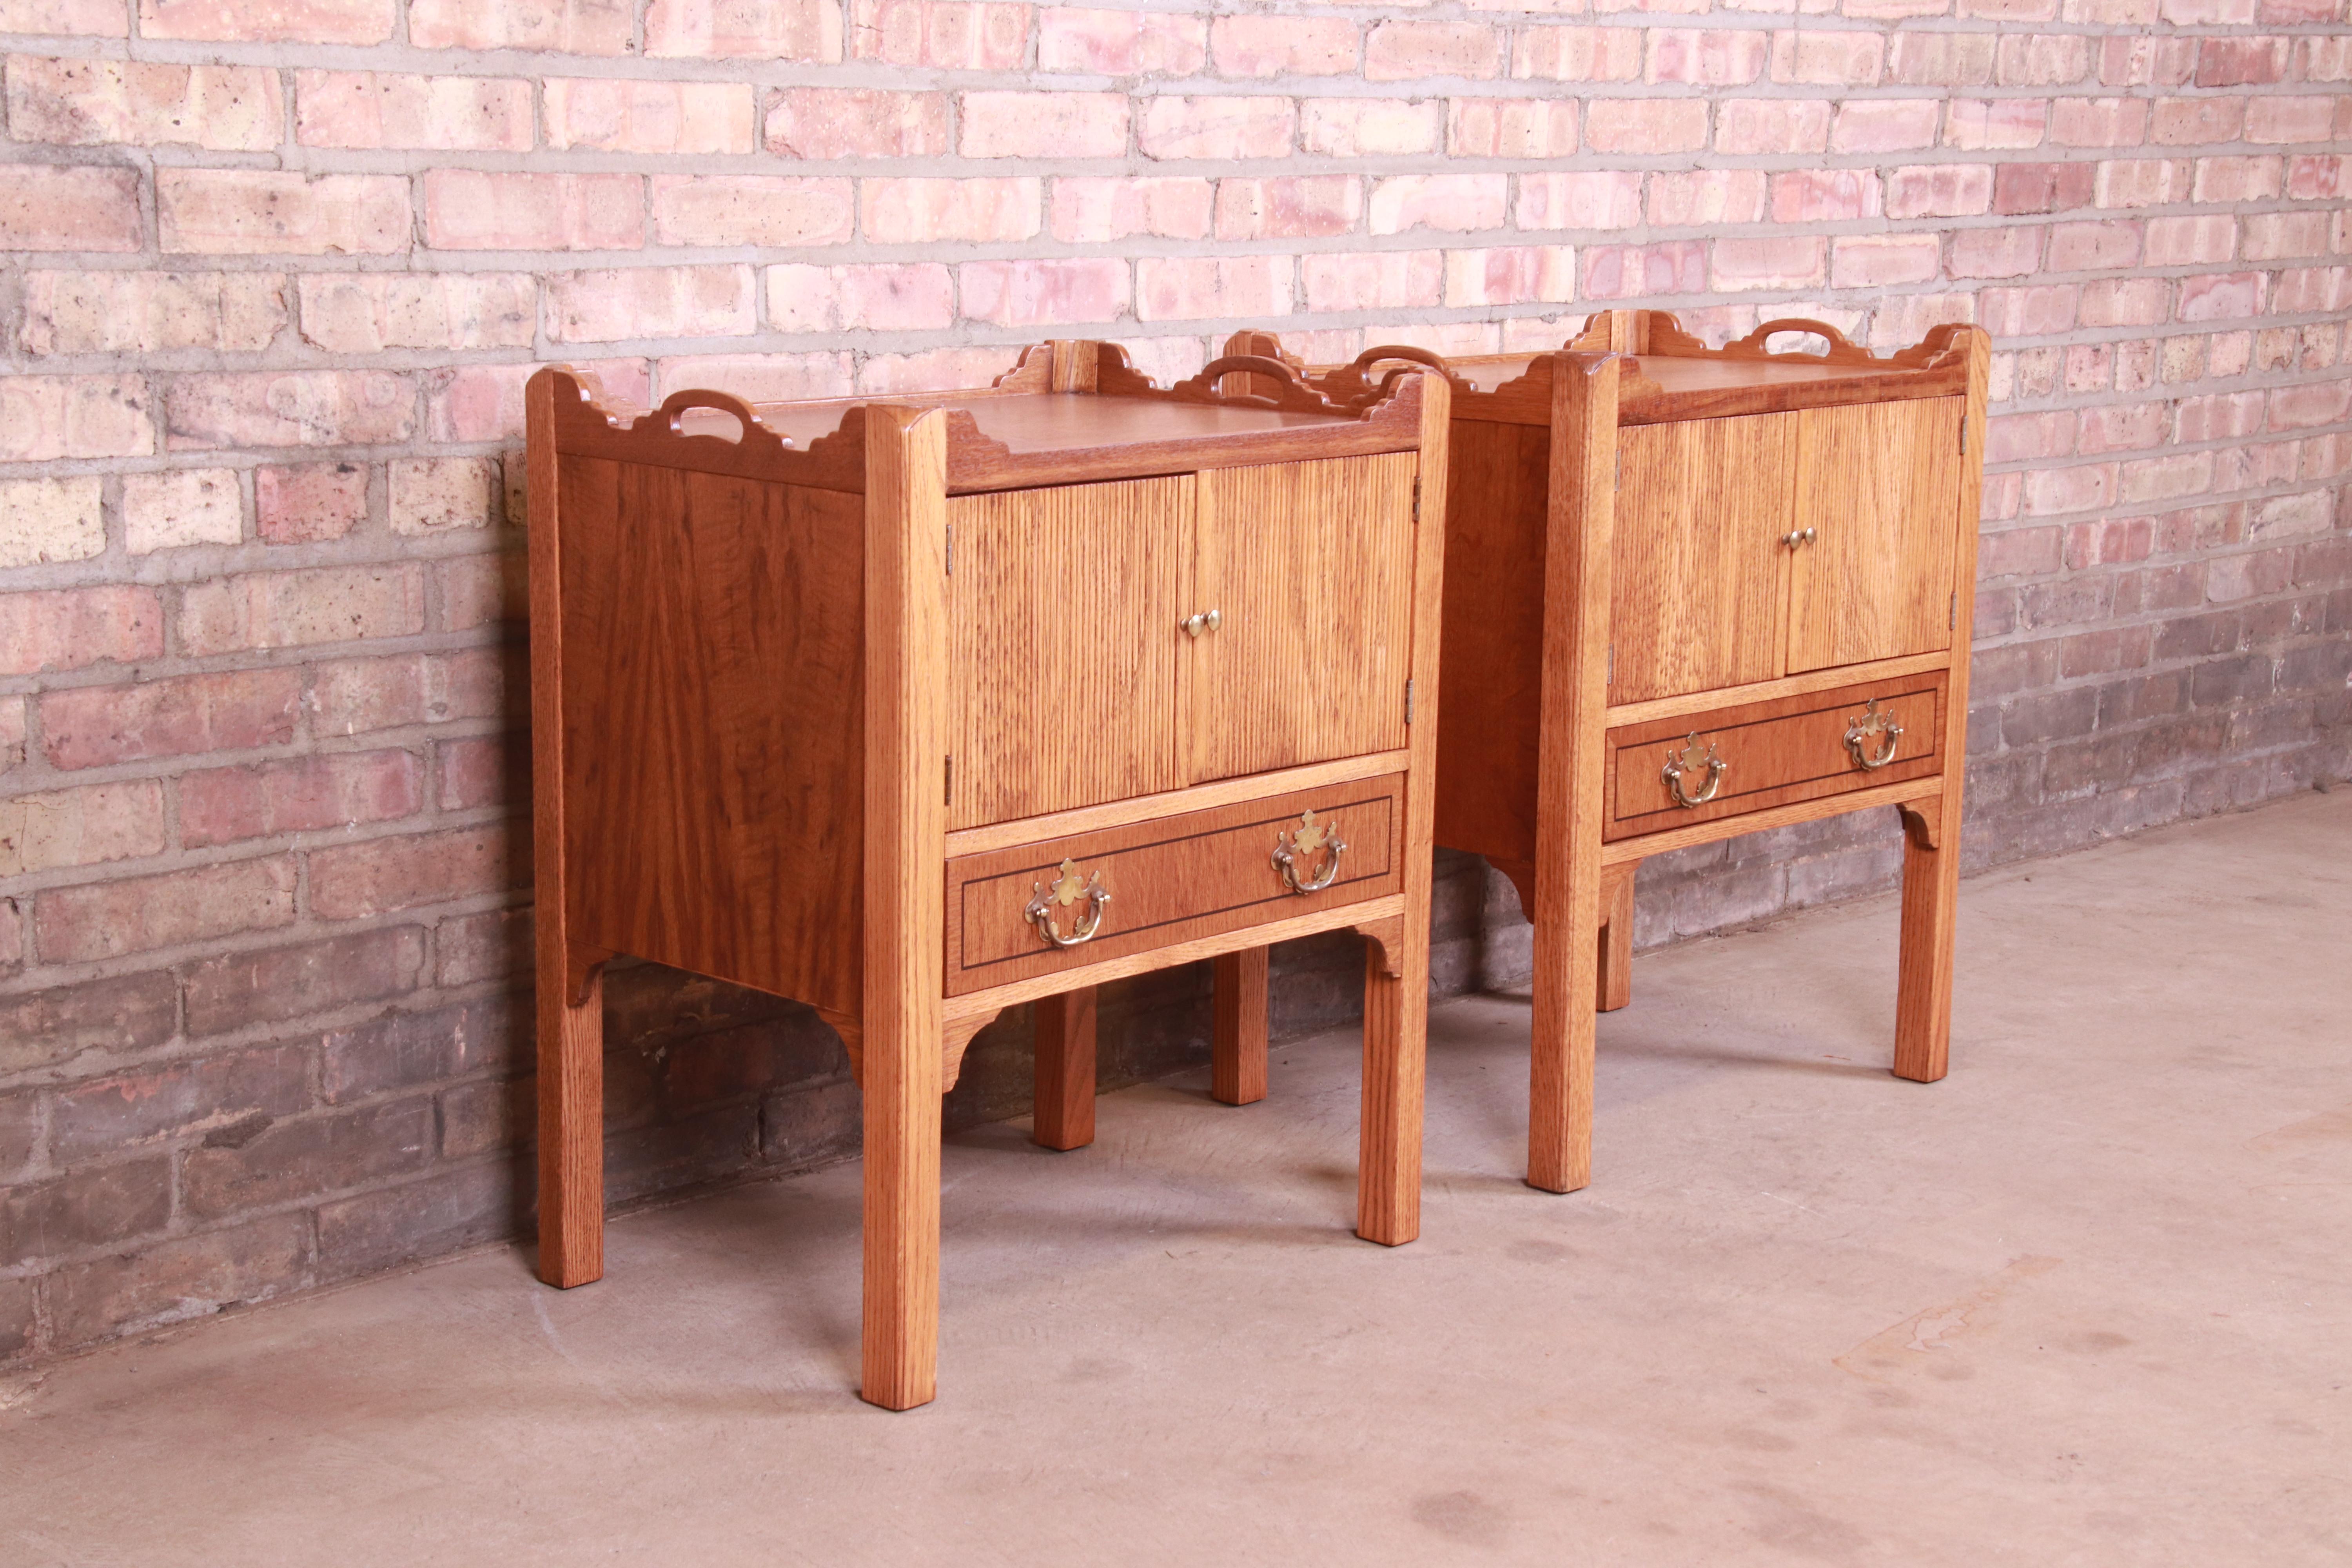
1860, 732
1206, 621
1688, 762
1065, 890
1302, 841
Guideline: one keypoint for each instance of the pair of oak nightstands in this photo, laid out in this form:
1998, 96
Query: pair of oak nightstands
917, 708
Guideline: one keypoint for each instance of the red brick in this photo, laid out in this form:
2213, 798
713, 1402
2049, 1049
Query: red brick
91, 727
1120, 42
87, 102
669, 116
650, 303
742, 29
475, 209
1411, 50
1644, 125
1460, 204
119, 1015
266, 212
2192, 122
298, 1158
238, 990
1510, 275
114, 312
44, 417
1091, 211
2092, 247
495, 945
941, 35
441, 1213
1288, 207
58, 828
2021, 188
353, 697
172, 1098
406, 1050
102, 18
1043, 292
569, 27
824, 122
1827, 195
1633, 271
97, 1206
1222, 127
73, 628
295, 609
172, 1281
1475, 128
57, 208
2027, 312
311, 503
1794, 261
220, 805
1594, 200
2043, 59
107, 920
909, 297
933, 368
1042, 125
354, 880
1941, 59
2220, 296
924, 211
491, 770
1272, 46
2098, 121
1176, 288
1937, 190
1578, 54
2005, 124
2243, 62
1884, 125
1877, 261
484, 402
2003, 252
1772, 125
1374, 280
280, 22
1702, 197
385, 109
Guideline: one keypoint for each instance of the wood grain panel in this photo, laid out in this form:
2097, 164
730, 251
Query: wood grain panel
1194, 798
1062, 1082
1310, 565
1238, 1041
712, 723
906, 1032
1063, 646
1169, 881
1699, 580
1787, 750
1491, 671
1876, 482
1623, 850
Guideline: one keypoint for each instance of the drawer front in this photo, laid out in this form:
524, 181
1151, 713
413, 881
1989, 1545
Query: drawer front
1174, 880
1763, 754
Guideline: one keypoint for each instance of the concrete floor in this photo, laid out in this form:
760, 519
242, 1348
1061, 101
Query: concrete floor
2086, 1302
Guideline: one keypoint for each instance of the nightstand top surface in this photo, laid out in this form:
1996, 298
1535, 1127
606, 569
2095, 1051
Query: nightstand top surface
1038, 422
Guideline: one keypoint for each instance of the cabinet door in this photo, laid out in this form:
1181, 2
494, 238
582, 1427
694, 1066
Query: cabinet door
1062, 646
1699, 582
1310, 568
1878, 483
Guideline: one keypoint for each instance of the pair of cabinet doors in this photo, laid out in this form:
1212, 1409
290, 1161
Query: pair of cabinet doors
1765, 545
1086, 667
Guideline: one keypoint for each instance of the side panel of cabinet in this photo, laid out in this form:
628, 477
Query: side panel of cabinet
714, 723
1875, 482
1063, 645
1309, 567
1700, 584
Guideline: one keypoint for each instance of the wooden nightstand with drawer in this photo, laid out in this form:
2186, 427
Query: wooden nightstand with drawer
917, 708
1691, 594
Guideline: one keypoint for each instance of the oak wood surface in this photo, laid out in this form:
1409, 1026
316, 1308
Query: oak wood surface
1778, 752
1618, 851
1193, 798
712, 712
1063, 1078
1169, 881
569, 1017
1615, 954
1578, 550
1310, 567
1491, 671
1063, 646
1877, 483
1699, 574
1237, 1046
905, 839
1101, 972
1768, 690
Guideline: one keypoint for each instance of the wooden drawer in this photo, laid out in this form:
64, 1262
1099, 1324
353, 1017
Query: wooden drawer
1774, 753
1172, 880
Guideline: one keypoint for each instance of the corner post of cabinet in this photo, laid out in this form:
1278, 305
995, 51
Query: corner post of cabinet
1581, 520
1931, 860
1396, 984
905, 895
568, 998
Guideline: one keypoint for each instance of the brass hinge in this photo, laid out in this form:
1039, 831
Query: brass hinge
949, 791
951, 550
1612, 666
1621, 468
1408, 701
1416, 510
1963, 434
1952, 621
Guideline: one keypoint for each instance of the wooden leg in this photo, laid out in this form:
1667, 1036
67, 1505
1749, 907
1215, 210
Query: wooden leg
1237, 1069
1931, 887
1396, 1038
571, 1017
1615, 982
901, 1350
1065, 1098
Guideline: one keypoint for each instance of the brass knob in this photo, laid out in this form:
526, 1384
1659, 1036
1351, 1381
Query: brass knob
1206, 621
1797, 536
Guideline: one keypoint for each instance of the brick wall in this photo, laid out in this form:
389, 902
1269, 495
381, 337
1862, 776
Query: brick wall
276, 271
